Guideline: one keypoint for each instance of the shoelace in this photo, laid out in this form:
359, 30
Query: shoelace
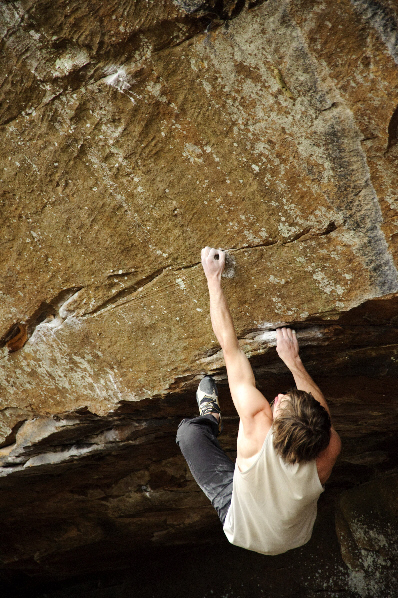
208, 406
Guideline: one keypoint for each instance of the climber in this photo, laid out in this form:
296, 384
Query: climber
267, 500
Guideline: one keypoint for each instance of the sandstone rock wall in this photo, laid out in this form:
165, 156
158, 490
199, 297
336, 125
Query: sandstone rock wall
133, 134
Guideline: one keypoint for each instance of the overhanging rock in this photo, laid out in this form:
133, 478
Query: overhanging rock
133, 134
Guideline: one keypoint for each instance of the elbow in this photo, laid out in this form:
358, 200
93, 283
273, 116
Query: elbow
229, 346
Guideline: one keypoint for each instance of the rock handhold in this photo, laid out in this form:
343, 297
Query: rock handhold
19, 338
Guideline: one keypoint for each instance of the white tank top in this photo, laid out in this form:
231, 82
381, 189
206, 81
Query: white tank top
274, 504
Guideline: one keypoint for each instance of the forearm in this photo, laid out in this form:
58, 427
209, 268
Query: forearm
221, 318
304, 381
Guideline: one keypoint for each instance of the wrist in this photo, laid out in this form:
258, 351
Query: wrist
214, 282
295, 364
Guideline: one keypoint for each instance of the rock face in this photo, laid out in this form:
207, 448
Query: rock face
133, 134
367, 526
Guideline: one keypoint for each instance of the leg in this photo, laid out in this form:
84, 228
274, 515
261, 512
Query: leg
209, 465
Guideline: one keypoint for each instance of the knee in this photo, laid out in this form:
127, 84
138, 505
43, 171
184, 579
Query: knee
186, 434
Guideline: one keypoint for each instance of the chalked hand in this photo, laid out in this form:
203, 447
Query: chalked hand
213, 262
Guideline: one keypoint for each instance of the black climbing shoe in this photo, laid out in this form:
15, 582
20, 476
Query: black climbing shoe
207, 399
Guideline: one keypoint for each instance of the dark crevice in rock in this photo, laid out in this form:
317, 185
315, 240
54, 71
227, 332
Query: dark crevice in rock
358, 193
333, 105
137, 286
309, 234
329, 229
16, 337
298, 236
393, 130
187, 267
253, 246
9, 120
11, 438
218, 10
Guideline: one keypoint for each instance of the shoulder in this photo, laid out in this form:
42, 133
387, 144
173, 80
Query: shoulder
326, 460
251, 437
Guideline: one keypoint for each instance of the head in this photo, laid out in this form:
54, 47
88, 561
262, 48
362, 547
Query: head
301, 426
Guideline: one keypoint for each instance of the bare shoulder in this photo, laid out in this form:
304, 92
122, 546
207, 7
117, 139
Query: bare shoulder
251, 436
250, 401
326, 460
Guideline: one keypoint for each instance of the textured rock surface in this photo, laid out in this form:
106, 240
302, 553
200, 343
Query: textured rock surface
367, 526
132, 135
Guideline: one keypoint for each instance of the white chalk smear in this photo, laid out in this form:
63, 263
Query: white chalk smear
118, 80
180, 283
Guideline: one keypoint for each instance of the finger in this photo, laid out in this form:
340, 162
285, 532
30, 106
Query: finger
206, 252
295, 341
221, 257
203, 255
212, 253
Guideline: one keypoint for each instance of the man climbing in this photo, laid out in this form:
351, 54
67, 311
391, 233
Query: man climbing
267, 500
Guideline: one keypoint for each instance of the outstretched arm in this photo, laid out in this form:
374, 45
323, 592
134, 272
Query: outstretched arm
247, 399
288, 350
213, 262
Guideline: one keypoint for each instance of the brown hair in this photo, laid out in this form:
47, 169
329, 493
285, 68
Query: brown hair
301, 430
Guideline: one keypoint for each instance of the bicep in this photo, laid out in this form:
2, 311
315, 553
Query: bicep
239, 369
248, 400
333, 449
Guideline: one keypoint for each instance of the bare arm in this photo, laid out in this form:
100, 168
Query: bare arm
247, 399
288, 350
213, 262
